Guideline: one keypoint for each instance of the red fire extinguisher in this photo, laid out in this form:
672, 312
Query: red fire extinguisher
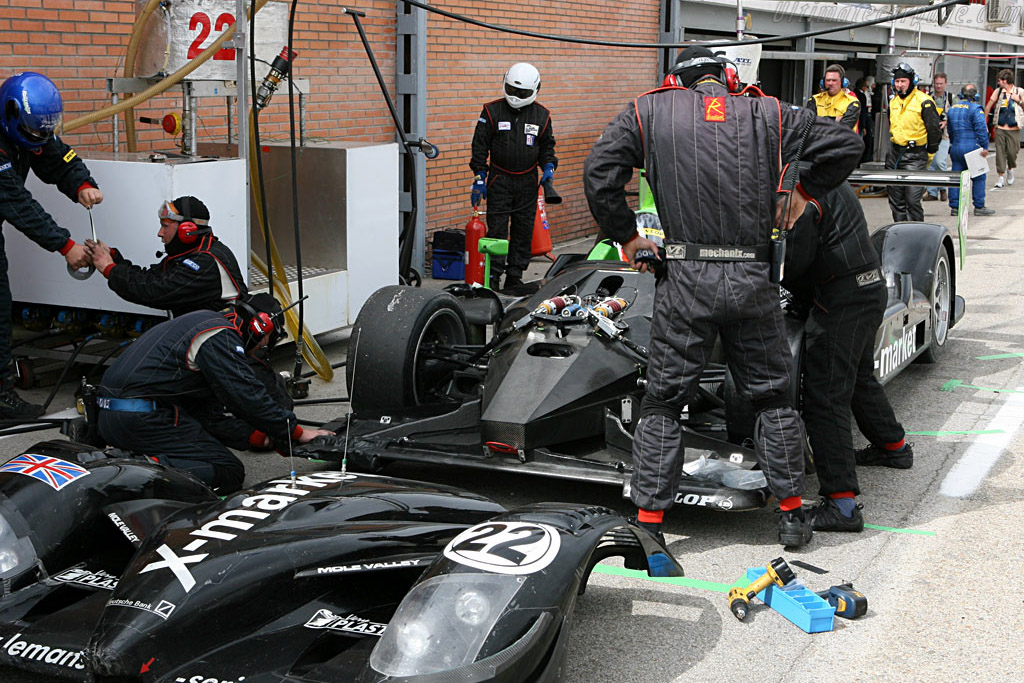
475, 229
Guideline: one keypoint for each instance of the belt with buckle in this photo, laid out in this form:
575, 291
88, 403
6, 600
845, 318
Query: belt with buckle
680, 251
126, 405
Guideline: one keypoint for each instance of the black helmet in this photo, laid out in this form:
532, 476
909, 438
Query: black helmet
256, 316
694, 62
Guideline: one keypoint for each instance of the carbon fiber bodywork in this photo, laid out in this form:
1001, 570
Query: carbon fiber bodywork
324, 577
559, 396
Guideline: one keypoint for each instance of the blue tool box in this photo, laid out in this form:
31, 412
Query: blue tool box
802, 606
449, 265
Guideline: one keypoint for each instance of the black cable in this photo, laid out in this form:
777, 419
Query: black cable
36, 337
67, 366
256, 151
610, 43
317, 401
297, 372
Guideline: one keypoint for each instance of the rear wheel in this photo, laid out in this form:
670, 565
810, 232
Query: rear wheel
397, 356
941, 300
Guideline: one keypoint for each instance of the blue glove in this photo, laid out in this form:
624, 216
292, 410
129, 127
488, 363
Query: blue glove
479, 188
549, 173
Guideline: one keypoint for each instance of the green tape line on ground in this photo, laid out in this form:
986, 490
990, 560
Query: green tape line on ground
674, 580
1000, 356
900, 531
954, 383
953, 433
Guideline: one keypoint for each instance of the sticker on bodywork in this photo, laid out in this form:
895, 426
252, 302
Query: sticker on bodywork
53, 472
505, 547
327, 619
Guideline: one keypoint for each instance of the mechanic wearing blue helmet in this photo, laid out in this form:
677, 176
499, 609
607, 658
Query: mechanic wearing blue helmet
30, 111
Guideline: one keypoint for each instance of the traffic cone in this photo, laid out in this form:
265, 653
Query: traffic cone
540, 245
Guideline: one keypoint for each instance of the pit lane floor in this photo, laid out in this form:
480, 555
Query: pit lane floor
938, 566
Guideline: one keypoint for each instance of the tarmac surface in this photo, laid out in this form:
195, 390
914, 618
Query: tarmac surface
937, 563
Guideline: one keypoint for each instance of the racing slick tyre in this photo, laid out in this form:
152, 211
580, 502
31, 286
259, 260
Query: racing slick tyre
941, 300
396, 347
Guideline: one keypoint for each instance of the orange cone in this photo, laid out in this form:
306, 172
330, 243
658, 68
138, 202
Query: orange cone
540, 245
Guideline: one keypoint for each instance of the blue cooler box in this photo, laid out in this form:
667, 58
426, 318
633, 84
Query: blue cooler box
449, 265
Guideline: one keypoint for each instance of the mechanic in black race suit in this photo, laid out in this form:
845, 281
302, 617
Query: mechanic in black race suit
713, 163
155, 397
30, 111
198, 272
836, 279
515, 131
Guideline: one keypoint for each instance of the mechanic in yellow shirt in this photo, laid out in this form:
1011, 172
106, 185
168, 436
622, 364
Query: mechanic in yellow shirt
835, 99
915, 134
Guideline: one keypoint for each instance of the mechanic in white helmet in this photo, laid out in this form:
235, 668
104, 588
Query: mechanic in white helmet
515, 132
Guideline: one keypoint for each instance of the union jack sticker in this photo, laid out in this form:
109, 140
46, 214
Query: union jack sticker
714, 109
53, 472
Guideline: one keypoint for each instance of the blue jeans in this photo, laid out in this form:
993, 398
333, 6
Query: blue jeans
939, 163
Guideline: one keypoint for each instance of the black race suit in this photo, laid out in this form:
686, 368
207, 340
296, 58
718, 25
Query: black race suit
844, 291
54, 163
518, 141
187, 365
203, 277
713, 163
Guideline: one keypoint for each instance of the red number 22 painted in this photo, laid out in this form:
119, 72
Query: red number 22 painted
202, 21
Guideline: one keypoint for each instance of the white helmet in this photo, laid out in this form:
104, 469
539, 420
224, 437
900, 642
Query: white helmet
522, 81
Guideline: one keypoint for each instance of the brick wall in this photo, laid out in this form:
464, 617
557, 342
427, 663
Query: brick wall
80, 43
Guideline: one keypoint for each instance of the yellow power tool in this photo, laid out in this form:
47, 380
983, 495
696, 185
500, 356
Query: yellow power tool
778, 572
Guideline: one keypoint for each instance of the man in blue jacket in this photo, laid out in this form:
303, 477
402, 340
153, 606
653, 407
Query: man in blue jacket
967, 132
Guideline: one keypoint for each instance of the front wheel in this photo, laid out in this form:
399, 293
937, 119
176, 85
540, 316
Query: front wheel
398, 348
941, 301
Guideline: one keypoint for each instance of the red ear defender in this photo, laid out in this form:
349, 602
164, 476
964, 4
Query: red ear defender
261, 325
732, 77
670, 81
187, 232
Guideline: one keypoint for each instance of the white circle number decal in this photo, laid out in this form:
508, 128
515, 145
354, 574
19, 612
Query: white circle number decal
505, 547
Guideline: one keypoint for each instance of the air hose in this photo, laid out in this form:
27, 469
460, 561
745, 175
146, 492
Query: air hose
157, 88
129, 68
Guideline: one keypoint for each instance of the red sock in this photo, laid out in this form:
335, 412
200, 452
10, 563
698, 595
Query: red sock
842, 494
650, 516
791, 503
895, 446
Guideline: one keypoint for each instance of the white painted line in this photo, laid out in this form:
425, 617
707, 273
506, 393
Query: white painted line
967, 474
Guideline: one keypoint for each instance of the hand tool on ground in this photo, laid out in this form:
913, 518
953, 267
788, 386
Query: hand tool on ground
85, 274
849, 603
778, 572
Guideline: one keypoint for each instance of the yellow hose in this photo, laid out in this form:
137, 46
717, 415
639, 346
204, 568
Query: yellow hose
129, 69
157, 88
311, 350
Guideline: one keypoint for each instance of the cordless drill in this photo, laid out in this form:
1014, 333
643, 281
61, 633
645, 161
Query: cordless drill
778, 572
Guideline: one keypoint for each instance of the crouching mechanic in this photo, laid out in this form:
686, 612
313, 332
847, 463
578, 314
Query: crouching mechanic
158, 397
198, 272
836, 279
720, 157
30, 111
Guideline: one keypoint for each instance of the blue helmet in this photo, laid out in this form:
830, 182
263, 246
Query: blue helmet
30, 109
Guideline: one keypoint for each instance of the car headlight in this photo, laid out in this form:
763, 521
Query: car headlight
442, 623
15, 553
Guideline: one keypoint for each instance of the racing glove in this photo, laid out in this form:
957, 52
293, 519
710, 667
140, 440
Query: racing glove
549, 173
479, 190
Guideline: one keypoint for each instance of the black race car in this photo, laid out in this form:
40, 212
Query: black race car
556, 391
123, 570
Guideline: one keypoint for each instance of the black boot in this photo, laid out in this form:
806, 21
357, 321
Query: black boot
13, 407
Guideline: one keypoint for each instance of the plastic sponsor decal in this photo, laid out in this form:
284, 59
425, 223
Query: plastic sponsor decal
125, 529
5, 167
83, 577
203, 678
230, 524
531, 129
161, 609
505, 547
70, 155
191, 264
16, 647
714, 109
504, 125
53, 472
326, 619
